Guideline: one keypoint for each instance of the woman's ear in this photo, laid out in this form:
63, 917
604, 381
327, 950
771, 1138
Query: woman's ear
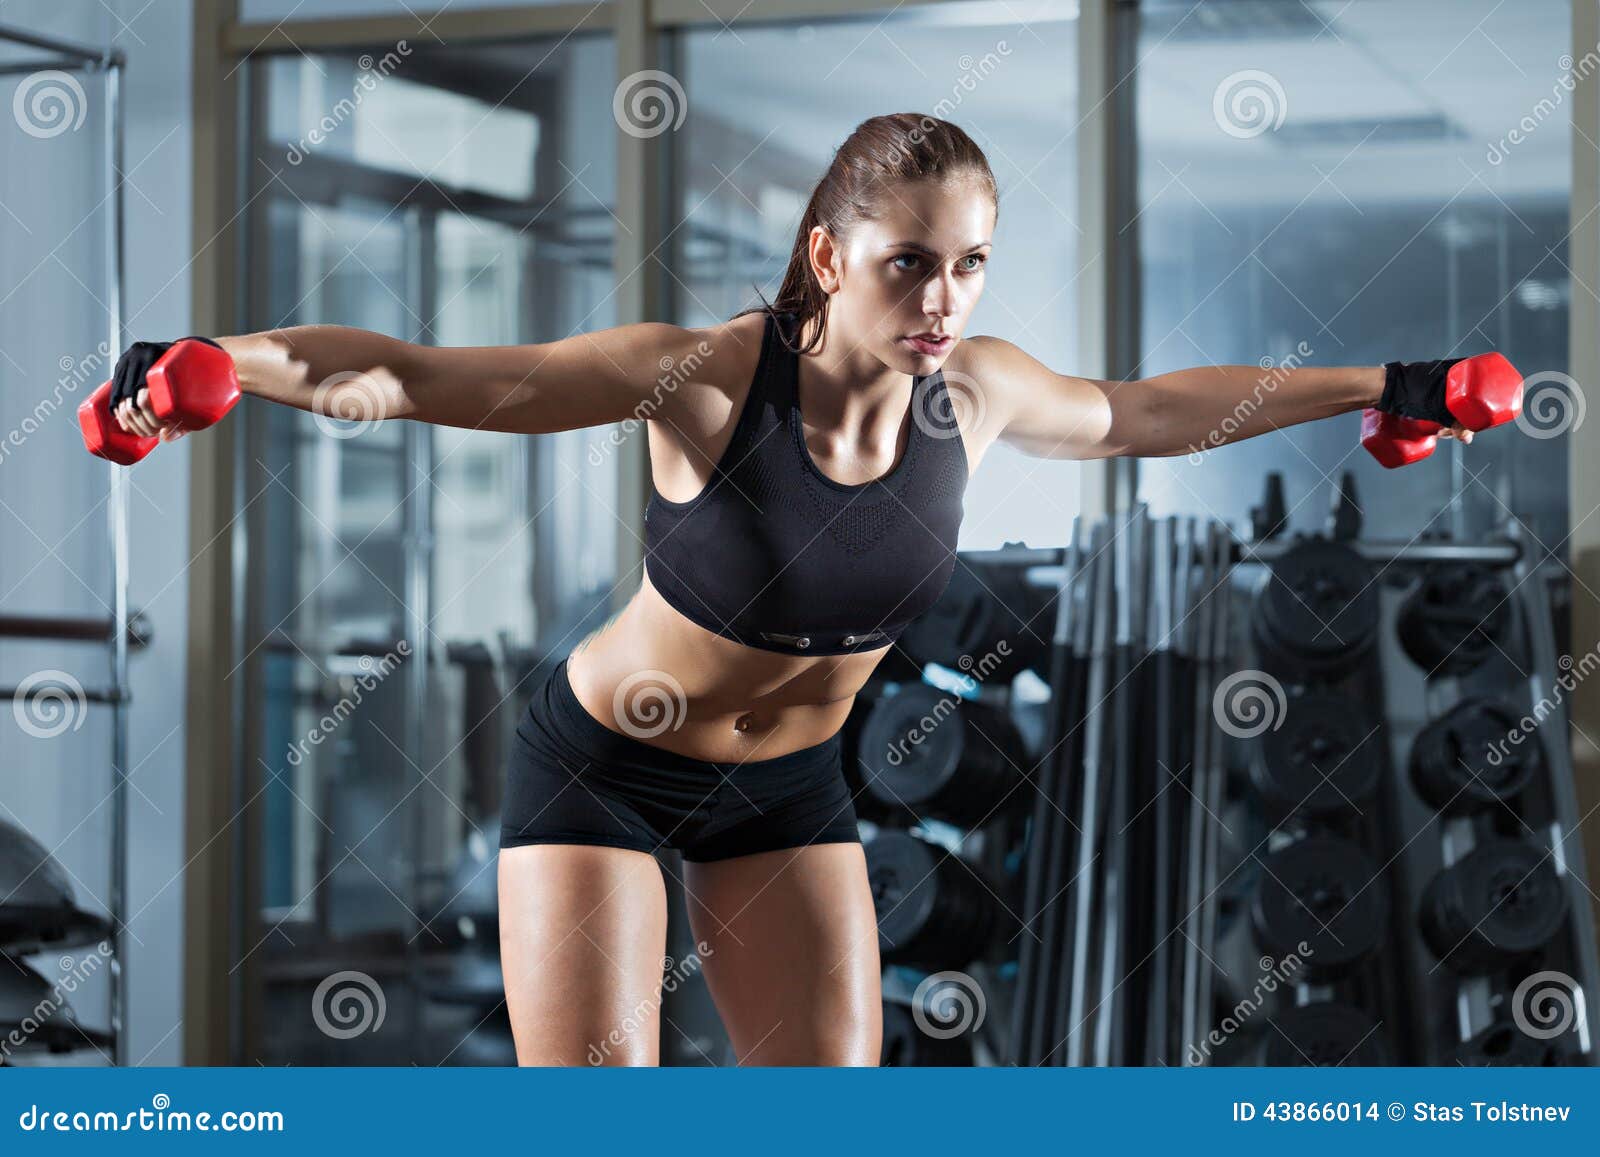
824, 258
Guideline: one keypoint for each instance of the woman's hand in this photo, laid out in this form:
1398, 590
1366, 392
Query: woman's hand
136, 417
1459, 432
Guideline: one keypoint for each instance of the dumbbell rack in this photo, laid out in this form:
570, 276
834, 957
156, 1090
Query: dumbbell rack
1129, 966
119, 630
1431, 1014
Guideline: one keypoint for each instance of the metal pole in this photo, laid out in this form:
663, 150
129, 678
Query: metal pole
118, 528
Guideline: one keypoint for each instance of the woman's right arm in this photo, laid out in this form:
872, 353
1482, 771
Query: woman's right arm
588, 379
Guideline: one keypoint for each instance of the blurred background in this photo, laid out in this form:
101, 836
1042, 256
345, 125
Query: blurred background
263, 682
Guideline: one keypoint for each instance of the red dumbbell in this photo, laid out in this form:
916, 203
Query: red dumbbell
192, 383
1480, 391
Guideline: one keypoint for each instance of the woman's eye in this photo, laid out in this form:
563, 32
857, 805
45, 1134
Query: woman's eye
978, 259
905, 257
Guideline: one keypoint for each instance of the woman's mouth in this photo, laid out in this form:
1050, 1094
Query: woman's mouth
928, 344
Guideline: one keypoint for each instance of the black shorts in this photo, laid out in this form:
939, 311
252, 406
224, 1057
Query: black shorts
573, 780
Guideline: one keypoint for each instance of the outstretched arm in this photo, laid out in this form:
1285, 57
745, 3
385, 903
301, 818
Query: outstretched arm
1053, 415
588, 379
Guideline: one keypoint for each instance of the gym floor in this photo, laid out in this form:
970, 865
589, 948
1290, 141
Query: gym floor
1253, 753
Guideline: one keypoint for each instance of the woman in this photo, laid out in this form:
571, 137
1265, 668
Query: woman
808, 467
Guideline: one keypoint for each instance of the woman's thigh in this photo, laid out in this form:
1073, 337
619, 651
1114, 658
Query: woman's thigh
583, 930
791, 953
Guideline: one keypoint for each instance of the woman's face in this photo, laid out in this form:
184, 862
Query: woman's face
917, 270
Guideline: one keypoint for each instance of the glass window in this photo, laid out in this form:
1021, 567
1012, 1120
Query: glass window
1355, 198
452, 195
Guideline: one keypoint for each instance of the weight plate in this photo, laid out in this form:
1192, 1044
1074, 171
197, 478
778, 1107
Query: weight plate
981, 607
1454, 619
1327, 892
1501, 900
35, 1017
912, 744
1318, 609
1465, 761
933, 912
901, 872
938, 755
1324, 759
1503, 1044
38, 911
1326, 1034
906, 1046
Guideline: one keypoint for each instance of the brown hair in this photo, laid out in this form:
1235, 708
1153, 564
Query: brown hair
900, 146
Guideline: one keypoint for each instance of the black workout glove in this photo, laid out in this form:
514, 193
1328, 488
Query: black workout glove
128, 377
1416, 390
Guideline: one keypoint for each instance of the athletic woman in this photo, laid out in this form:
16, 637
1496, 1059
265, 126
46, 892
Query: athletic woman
808, 468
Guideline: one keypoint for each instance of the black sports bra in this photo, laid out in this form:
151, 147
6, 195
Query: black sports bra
775, 554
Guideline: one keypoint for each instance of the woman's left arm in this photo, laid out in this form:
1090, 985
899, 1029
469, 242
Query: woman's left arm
1053, 415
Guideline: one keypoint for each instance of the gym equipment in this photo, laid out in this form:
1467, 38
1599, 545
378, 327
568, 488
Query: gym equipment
472, 978
932, 753
1500, 901
36, 1017
1048, 830
1328, 1033
1317, 613
907, 1046
1325, 891
192, 382
932, 911
1454, 619
1324, 759
38, 911
470, 912
488, 1043
983, 607
1464, 761
1502, 1044
1480, 392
